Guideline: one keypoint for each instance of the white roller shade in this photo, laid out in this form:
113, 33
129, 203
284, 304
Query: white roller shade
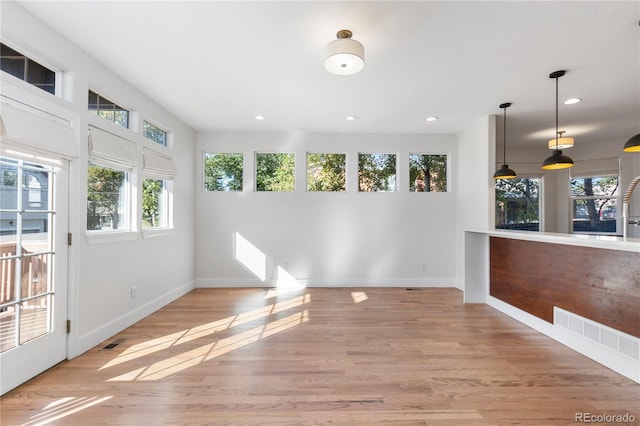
600, 167
34, 135
158, 165
107, 149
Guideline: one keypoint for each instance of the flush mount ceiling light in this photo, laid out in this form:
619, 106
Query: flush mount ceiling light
344, 55
432, 119
633, 144
505, 172
557, 159
560, 142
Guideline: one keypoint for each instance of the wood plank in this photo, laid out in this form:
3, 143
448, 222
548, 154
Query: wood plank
599, 284
236, 357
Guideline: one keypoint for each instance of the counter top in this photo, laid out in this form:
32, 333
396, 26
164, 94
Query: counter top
597, 241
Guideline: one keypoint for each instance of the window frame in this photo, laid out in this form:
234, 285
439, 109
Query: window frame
57, 73
150, 123
166, 205
540, 180
395, 175
446, 171
344, 170
617, 198
115, 105
293, 173
127, 197
205, 155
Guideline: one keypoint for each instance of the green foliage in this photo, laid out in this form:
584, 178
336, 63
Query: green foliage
151, 196
222, 172
377, 172
275, 172
326, 172
154, 133
427, 173
517, 202
103, 196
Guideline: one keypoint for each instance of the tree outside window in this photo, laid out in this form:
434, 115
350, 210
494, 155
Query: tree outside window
594, 202
427, 173
275, 172
376, 172
105, 198
518, 204
153, 203
326, 172
222, 172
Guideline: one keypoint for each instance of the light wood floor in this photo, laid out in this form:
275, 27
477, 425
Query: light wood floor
324, 356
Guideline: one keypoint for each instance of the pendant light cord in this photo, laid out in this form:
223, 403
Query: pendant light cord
504, 136
557, 113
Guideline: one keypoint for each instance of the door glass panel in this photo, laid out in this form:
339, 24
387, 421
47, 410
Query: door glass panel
26, 252
34, 318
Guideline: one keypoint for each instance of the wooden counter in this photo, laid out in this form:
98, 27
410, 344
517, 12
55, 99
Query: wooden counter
591, 282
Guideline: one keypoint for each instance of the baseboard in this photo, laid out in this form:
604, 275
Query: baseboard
95, 337
617, 362
332, 283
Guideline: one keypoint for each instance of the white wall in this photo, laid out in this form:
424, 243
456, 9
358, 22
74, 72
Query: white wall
101, 275
328, 239
475, 195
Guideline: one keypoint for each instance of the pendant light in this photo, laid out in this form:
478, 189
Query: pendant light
633, 144
505, 172
557, 160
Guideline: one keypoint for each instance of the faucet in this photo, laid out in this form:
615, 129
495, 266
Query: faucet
625, 208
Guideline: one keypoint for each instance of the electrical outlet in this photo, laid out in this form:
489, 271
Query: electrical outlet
133, 292
424, 267
285, 266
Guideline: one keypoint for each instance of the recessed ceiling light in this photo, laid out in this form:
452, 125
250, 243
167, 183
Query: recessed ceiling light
259, 117
572, 101
432, 118
351, 118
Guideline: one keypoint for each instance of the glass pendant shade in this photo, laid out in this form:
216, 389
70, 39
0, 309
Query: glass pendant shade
633, 144
344, 55
557, 161
562, 143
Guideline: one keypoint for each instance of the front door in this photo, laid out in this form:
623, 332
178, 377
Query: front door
33, 270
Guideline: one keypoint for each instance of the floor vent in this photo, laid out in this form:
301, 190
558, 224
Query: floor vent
600, 334
113, 344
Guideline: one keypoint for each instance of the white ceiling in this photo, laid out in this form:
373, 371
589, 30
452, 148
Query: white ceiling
217, 64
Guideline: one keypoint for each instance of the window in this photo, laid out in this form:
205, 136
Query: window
107, 199
594, 204
326, 172
518, 204
222, 172
275, 172
108, 109
154, 133
376, 172
154, 203
427, 173
18, 65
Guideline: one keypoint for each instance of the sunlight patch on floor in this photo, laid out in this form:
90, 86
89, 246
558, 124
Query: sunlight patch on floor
359, 296
62, 408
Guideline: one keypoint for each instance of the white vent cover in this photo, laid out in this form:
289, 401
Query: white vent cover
597, 333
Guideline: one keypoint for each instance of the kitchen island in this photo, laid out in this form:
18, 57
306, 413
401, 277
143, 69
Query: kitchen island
582, 290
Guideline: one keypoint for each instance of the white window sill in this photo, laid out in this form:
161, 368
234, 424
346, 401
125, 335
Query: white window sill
105, 237
156, 232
